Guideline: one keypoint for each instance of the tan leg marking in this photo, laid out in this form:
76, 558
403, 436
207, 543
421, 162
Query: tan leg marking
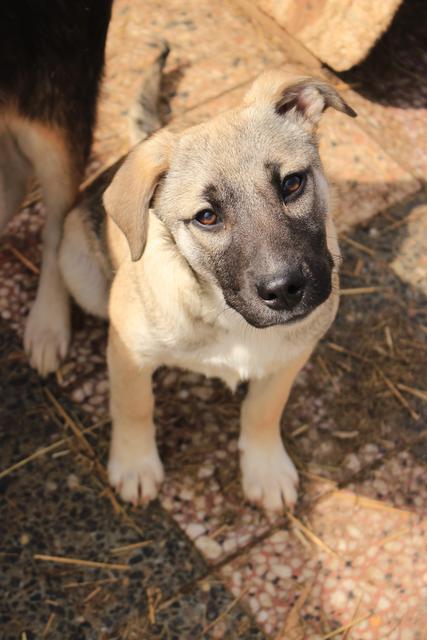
134, 465
268, 474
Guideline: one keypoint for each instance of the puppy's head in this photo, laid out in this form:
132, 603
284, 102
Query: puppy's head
244, 198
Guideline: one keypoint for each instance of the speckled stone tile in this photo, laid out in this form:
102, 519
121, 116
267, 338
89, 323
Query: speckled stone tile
199, 68
19, 283
410, 263
347, 558
400, 481
25, 425
56, 510
83, 373
199, 614
366, 178
390, 89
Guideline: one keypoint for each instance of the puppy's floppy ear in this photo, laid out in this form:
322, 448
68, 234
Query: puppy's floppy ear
127, 199
308, 97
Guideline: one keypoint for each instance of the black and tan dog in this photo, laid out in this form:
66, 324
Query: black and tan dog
219, 254
51, 60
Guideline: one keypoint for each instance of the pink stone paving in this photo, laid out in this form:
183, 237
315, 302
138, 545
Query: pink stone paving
349, 557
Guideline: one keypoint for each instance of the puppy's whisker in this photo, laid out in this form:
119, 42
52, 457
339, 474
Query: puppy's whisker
221, 313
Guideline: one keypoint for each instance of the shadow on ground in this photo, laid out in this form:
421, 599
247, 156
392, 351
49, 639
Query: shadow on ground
394, 72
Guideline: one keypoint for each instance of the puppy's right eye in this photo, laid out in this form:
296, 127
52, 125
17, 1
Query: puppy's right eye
207, 218
292, 184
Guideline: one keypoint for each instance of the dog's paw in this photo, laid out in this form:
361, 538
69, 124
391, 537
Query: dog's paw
47, 335
136, 478
269, 477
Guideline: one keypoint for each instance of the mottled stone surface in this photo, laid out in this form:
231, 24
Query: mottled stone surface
338, 32
364, 561
389, 90
214, 47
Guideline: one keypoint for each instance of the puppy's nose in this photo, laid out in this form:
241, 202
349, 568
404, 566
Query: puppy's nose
282, 292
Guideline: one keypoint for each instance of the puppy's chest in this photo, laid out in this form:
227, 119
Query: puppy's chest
239, 357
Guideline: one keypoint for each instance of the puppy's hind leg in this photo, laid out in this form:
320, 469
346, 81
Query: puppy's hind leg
15, 171
84, 269
47, 333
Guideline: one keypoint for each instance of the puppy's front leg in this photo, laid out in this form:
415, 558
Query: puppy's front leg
134, 466
268, 474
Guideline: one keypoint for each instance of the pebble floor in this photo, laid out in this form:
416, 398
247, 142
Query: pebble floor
354, 556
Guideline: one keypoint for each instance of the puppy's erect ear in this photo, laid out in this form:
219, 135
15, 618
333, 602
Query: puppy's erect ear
127, 199
308, 97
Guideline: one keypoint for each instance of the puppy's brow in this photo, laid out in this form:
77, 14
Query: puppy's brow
275, 175
272, 166
212, 194
276, 179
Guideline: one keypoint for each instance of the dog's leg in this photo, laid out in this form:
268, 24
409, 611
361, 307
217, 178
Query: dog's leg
134, 466
268, 474
15, 171
47, 332
81, 266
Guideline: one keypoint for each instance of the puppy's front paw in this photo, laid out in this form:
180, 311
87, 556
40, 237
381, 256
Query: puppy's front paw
269, 477
47, 334
135, 476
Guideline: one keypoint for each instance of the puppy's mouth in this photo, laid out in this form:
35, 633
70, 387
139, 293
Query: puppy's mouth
263, 323
261, 316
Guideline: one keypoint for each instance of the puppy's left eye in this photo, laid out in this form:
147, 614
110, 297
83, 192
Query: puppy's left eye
292, 184
207, 218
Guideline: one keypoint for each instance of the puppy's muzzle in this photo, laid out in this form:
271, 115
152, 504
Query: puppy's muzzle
295, 291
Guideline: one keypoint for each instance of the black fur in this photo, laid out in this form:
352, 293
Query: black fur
92, 197
51, 61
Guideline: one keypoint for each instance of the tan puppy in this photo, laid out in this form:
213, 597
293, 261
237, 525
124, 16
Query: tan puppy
238, 278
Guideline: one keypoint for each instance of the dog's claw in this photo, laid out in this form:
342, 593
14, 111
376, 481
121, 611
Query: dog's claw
269, 478
47, 333
136, 478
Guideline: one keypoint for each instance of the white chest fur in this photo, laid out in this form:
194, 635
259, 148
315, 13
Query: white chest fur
234, 358
236, 351
216, 344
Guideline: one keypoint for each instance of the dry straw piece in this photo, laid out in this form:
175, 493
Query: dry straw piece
312, 536
225, 612
347, 627
43, 450
91, 564
130, 547
25, 261
358, 291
